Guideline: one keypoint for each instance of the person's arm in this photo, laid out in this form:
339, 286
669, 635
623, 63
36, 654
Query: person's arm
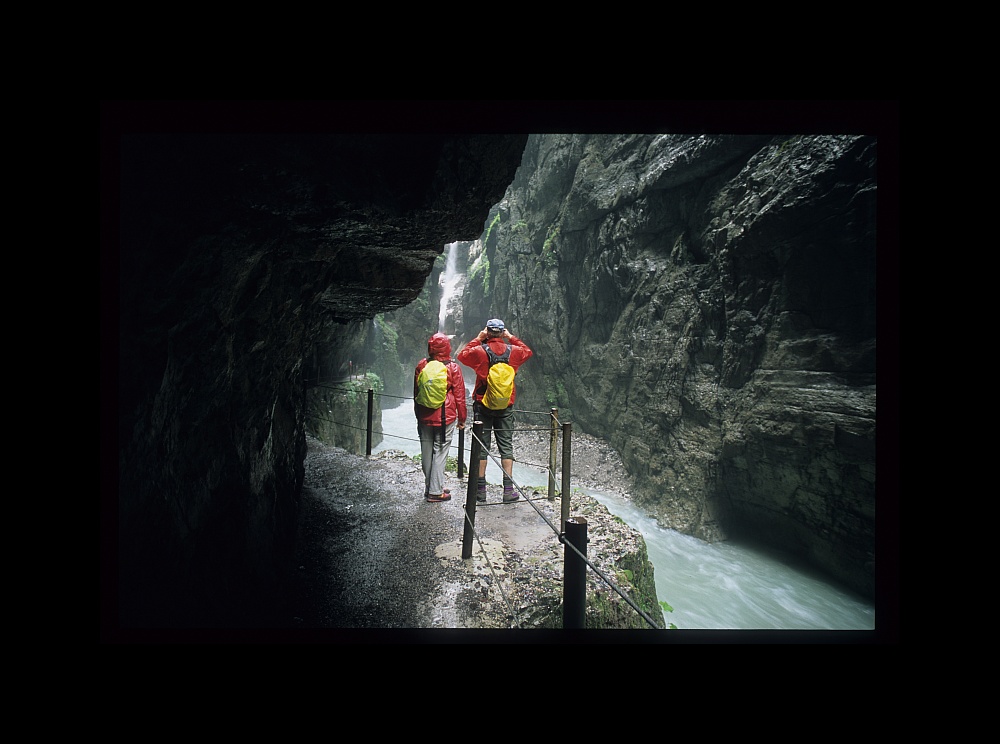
471, 352
458, 389
416, 376
473, 357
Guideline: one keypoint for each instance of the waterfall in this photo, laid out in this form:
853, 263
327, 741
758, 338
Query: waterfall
449, 281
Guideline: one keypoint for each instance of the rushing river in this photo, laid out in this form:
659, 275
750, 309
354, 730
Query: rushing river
710, 586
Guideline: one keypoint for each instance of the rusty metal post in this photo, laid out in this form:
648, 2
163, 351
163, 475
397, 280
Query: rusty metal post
461, 453
371, 416
553, 441
470, 491
567, 449
575, 575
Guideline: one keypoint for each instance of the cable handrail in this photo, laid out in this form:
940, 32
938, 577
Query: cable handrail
562, 538
468, 399
560, 535
385, 434
489, 564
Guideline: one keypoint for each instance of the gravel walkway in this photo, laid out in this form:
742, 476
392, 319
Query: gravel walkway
376, 562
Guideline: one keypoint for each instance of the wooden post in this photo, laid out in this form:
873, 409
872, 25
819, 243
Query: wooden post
567, 449
553, 441
371, 416
470, 491
575, 575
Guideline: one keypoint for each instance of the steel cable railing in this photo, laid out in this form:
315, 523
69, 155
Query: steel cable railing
489, 564
414, 439
560, 535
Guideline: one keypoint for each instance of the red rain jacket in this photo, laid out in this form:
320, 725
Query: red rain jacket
454, 402
474, 356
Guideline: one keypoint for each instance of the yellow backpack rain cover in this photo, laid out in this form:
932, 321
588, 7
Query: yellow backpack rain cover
432, 384
499, 381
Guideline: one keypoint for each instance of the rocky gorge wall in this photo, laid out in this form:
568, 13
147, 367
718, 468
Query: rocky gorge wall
705, 288
337, 414
707, 304
241, 263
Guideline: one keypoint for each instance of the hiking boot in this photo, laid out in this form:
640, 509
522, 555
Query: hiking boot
481, 494
509, 495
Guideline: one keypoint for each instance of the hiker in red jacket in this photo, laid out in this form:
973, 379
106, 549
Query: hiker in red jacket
436, 424
508, 349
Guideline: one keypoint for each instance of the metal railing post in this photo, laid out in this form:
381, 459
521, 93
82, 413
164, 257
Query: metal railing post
566, 458
371, 409
575, 575
470, 491
553, 441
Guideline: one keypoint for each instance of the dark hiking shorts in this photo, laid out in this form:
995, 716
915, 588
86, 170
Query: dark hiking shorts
501, 425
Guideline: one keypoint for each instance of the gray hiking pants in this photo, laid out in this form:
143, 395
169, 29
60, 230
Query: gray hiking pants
434, 455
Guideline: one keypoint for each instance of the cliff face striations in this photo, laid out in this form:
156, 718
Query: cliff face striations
707, 304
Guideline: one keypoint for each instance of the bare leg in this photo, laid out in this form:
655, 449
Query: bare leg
508, 468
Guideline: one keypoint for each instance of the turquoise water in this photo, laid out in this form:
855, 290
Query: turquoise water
727, 586
710, 586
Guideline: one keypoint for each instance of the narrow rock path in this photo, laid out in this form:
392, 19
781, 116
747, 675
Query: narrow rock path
375, 560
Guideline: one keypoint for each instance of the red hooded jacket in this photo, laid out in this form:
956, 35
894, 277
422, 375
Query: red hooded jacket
474, 356
439, 348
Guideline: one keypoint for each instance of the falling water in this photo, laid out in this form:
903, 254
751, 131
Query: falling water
449, 283
709, 586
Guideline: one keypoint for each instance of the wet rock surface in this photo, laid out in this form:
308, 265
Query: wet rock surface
231, 259
374, 556
708, 303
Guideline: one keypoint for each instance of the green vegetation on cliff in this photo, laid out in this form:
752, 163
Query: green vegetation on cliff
479, 276
489, 229
338, 414
555, 392
549, 255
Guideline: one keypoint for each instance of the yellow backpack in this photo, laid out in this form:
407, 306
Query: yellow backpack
499, 381
432, 385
